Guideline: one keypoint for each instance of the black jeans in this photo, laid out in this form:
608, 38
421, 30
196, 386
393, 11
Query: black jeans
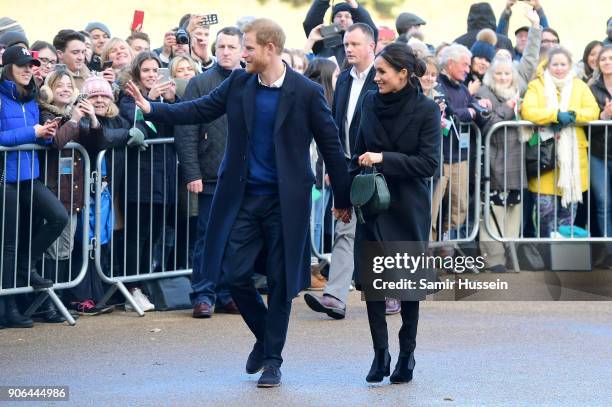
46, 222
407, 333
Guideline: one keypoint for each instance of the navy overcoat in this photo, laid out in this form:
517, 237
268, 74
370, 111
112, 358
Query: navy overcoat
303, 113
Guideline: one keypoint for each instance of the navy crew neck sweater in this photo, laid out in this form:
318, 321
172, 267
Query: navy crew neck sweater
262, 177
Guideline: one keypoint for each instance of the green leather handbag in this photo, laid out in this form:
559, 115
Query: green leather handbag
369, 194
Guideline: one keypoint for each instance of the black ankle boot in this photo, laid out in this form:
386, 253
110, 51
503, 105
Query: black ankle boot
381, 366
13, 317
403, 369
50, 314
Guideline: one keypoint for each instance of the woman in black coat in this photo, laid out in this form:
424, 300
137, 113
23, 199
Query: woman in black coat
400, 134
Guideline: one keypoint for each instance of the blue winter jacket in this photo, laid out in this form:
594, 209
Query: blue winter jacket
17, 121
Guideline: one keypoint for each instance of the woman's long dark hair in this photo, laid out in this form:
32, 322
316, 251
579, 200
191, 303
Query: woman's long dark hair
321, 71
400, 56
588, 71
25, 93
137, 63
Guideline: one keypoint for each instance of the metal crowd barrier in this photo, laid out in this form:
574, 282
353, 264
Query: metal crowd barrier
532, 208
152, 227
76, 272
453, 197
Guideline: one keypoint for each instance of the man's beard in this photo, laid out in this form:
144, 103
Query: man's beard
254, 67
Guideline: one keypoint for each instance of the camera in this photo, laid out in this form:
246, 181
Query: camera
181, 36
484, 113
332, 35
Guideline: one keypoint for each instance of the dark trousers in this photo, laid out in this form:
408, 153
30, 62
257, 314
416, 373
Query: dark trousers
407, 333
205, 287
16, 224
258, 226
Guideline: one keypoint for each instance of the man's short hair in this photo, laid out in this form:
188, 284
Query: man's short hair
233, 31
138, 36
63, 37
364, 28
266, 32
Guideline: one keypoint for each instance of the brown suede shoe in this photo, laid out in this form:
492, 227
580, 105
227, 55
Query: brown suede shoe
202, 310
229, 308
392, 306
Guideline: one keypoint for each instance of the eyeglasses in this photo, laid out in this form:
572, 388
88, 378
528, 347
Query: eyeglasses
48, 62
550, 41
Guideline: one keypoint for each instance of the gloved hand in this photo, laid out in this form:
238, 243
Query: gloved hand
566, 118
137, 139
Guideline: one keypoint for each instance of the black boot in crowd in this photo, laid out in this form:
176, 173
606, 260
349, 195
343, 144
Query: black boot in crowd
12, 317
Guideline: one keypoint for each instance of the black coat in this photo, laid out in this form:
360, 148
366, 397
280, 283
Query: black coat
200, 147
302, 114
481, 16
151, 175
598, 133
410, 158
315, 16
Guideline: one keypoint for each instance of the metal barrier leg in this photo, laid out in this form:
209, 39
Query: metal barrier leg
126, 293
61, 308
40, 298
515, 263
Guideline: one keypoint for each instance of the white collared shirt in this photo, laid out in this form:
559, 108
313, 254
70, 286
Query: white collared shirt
359, 79
277, 83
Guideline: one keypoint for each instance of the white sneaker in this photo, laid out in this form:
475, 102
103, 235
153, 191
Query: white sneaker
140, 299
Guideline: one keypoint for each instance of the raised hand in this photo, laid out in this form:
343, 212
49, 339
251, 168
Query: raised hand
132, 90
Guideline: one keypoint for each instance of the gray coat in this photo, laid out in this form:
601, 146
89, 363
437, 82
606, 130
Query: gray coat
527, 66
503, 149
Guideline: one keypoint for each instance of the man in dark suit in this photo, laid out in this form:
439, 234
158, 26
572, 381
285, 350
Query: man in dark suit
265, 180
351, 86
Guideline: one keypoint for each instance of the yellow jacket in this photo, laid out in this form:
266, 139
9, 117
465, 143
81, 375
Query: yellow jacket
534, 109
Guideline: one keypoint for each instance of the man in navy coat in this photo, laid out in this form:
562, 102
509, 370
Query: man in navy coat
263, 195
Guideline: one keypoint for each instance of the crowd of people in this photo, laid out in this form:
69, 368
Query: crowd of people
88, 87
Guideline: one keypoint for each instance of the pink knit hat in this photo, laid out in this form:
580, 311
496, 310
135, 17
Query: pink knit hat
95, 86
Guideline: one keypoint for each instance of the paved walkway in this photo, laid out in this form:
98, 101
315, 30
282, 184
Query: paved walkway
468, 354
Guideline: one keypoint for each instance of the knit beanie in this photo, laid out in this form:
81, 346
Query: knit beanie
94, 86
341, 7
482, 49
97, 26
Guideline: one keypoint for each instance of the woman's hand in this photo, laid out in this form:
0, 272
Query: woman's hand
77, 114
169, 94
132, 90
90, 111
511, 103
474, 85
109, 75
606, 113
163, 89
369, 159
486, 103
46, 130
